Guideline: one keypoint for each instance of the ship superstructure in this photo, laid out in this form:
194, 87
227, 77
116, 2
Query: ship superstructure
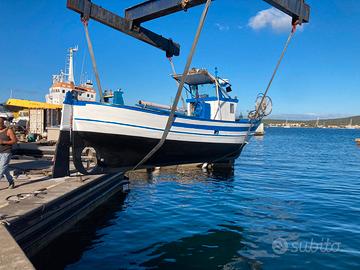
65, 82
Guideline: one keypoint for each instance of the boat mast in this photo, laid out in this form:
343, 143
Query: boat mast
217, 93
71, 64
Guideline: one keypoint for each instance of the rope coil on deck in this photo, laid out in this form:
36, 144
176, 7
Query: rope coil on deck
20, 196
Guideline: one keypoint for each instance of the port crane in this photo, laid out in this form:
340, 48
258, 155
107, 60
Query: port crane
130, 24
149, 10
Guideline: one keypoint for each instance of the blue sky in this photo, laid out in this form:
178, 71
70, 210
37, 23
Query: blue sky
319, 75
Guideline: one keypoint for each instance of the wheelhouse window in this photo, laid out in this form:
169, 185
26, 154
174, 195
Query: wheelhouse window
232, 108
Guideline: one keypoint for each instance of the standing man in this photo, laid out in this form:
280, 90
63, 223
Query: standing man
7, 139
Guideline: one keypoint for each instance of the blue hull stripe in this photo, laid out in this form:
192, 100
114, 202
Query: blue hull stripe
207, 127
84, 103
158, 129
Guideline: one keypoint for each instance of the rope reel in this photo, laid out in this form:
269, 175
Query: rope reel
263, 107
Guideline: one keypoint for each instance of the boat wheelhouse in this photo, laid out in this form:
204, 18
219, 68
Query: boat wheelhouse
219, 106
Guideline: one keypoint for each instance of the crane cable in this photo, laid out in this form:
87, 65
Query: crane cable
171, 117
85, 22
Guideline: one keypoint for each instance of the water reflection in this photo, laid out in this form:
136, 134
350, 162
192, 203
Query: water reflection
225, 175
184, 175
215, 249
258, 138
83, 236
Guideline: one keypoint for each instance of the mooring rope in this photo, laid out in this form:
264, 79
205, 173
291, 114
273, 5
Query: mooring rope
180, 88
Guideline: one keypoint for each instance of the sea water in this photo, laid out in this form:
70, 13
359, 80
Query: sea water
292, 201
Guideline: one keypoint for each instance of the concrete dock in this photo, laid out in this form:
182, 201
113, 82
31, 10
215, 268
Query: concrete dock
41, 208
11, 255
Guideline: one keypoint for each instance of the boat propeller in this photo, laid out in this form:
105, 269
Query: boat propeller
86, 160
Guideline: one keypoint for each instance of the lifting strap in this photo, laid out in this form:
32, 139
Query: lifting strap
293, 30
91, 51
291, 35
171, 117
177, 83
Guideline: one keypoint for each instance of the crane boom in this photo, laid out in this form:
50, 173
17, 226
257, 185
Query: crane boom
152, 9
92, 11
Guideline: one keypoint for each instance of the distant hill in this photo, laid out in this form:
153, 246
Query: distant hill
324, 122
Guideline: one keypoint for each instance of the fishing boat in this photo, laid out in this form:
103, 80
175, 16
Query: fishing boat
118, 136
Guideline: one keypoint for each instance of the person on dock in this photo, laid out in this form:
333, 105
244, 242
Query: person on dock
7, 139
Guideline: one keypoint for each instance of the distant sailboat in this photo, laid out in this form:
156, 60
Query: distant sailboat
260, 131
287, 124
350, 126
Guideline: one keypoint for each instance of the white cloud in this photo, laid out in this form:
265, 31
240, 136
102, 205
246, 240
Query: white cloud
222, 27
273, 18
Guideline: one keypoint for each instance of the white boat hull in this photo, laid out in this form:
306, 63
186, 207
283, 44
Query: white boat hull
123, 135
